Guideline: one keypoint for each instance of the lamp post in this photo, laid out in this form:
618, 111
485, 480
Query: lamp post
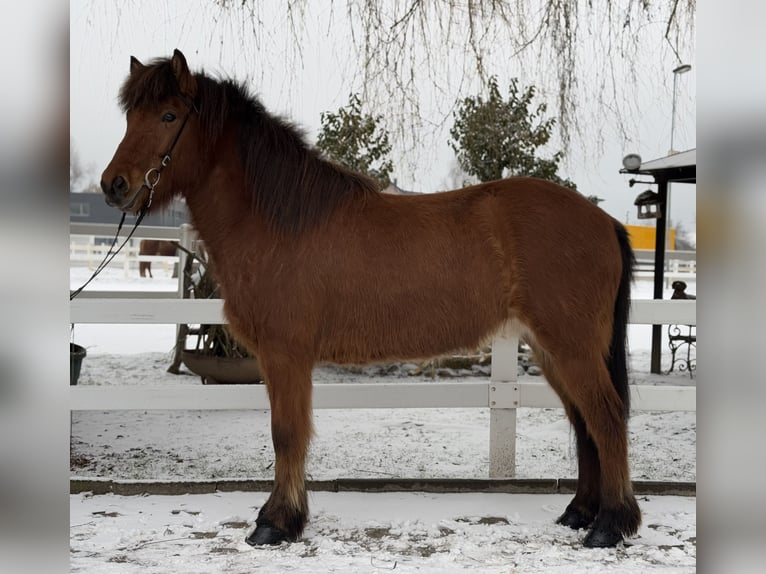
682, 69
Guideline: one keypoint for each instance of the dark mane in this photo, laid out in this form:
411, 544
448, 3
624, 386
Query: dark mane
291, 184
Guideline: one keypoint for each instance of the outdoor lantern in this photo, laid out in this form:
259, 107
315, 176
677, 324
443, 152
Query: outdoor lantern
631, 162
648, 204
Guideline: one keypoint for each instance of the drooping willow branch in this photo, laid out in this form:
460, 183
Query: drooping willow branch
416, 54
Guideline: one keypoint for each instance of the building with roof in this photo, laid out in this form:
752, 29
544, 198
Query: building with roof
92, 208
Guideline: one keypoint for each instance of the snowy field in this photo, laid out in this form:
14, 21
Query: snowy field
351, 532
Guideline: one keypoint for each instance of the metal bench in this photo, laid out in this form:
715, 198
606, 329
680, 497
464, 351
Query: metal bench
682, 338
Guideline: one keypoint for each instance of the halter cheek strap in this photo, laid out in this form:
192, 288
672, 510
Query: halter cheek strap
152, 176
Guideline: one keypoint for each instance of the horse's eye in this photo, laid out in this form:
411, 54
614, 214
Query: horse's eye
169, 117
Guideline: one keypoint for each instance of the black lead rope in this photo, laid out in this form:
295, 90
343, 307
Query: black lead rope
110, 254
151, 179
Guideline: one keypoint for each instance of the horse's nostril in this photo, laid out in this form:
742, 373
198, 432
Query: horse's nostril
119, 185
104, 186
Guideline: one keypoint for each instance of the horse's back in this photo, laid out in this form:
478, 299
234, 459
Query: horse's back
157, 247
148, 247
166, 248
538, 227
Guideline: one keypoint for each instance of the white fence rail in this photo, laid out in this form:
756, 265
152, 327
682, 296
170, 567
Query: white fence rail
679, 265
502, 393
142, 232
128, 255
85, 250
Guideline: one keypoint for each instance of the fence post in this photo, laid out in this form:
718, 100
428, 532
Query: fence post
503, 400
91, 249
126, 259
186, 239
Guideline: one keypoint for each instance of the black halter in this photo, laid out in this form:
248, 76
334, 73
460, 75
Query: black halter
152, 176
151, 179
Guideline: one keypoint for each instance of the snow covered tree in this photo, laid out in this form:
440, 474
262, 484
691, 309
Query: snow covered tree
494, 137
356, 139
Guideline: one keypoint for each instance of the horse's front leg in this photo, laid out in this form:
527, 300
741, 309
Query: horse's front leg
285, 513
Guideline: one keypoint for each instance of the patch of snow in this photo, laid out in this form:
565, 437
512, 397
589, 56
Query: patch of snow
369, 532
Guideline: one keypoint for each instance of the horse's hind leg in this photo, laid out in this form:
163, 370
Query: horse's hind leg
587, 384
284, 515
583, 508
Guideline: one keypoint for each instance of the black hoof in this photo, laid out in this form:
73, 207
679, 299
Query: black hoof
600, 537
266, 534
575, 519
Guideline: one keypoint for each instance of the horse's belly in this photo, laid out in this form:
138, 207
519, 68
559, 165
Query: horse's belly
423, 326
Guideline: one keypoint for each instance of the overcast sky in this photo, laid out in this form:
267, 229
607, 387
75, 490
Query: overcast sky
302, 81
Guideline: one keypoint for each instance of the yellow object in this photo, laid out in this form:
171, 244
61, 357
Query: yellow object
643, 236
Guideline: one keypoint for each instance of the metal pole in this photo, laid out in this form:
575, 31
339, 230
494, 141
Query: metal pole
666, 206
673, 116
682, 69
676, 73
659, 273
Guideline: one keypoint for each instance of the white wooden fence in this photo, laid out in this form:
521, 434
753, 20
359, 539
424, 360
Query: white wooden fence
502, 393
679, 265
85, 251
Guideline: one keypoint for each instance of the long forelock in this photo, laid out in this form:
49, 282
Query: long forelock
150, 85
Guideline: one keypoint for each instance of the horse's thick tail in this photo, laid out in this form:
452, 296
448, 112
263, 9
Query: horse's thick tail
617, 362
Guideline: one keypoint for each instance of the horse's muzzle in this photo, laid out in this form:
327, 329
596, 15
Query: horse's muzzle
116, 193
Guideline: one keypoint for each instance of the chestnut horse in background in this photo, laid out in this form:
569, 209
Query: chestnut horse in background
154, 247
316, 265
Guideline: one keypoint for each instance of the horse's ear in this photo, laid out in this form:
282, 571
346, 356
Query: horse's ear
135, 65
184, 77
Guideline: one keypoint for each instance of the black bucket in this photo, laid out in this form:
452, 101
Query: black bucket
76, 355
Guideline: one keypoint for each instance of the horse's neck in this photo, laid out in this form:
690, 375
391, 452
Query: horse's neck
216, 215
221, 210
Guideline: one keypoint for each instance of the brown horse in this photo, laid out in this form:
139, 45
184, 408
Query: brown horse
317, 266
154, 247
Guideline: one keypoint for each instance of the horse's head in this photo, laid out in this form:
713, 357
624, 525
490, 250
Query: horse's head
153, 161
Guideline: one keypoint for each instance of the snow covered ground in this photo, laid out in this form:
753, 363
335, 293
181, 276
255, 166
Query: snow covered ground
350, 532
